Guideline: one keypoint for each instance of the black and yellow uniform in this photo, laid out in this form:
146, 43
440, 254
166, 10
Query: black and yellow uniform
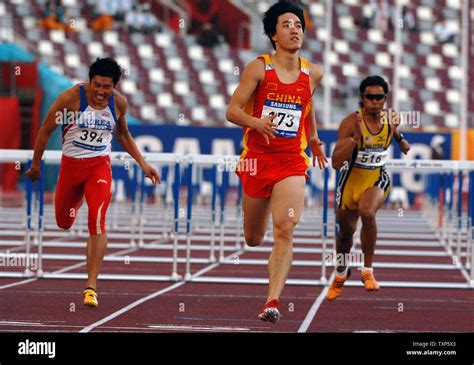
366, 167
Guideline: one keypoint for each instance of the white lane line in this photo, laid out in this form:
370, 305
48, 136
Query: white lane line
65, 269
152, 296
20, 323
22, 246
198, 328
18, 283
148, 329
14, 249
130, 306
314, 308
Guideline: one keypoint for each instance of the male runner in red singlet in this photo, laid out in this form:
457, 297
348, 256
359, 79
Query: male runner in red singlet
88, 114
273, 104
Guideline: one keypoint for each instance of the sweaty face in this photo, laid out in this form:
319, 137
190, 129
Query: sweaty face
289, 32
372, 99
102, 88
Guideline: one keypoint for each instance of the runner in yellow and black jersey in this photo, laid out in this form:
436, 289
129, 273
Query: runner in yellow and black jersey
360, 154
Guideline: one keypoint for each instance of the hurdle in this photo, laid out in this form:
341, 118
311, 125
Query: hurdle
221, 230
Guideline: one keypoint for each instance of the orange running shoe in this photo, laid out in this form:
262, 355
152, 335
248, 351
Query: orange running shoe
270, 312
369, 280
335, 289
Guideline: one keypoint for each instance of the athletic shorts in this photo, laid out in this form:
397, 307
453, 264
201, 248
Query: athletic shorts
259, 173
83, 177
353, 182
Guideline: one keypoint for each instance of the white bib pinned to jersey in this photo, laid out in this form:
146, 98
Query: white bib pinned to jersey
90, 135
371, 159
288, 117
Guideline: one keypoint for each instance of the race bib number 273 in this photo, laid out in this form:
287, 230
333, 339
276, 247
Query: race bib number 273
288, 116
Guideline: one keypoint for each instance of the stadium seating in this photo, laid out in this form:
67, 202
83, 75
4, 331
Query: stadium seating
169, 78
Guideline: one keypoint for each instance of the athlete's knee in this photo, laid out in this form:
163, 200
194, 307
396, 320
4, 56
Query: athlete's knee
284, 230
65, 213
254, 240
96, 224
368, 250
367, 216
64, 223
97, 218
96, 228
345, 230
346, 234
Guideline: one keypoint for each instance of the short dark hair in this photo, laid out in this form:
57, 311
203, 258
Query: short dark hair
270, 18
106, 67
372, 81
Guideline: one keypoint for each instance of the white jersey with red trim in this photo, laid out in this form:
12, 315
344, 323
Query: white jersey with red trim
91, 133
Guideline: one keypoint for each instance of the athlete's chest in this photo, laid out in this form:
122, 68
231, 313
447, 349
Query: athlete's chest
91, 133
273, 89
288, 103
377, 140
287, 77
91, 118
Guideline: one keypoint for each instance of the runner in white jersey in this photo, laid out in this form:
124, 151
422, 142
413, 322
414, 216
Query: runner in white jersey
88, 114
90, 134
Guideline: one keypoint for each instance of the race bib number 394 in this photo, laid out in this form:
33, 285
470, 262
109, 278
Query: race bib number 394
288, 116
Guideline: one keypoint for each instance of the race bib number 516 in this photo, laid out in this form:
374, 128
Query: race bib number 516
288, 116
367, 159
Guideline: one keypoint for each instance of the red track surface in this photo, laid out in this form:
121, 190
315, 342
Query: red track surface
56, 305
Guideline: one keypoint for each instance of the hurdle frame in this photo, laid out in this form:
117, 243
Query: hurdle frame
218, 165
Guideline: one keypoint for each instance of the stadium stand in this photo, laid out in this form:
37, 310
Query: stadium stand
170, 78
